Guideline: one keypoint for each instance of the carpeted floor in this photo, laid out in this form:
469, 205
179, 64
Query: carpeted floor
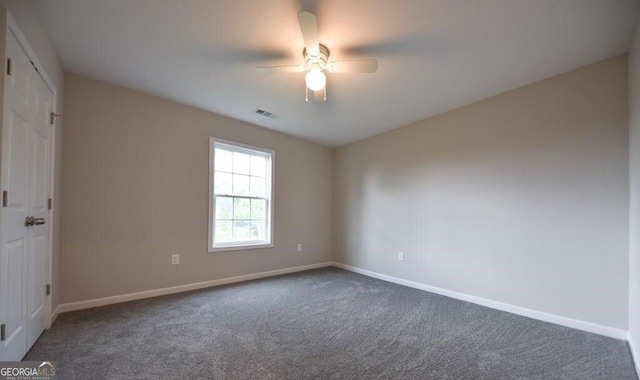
320, 324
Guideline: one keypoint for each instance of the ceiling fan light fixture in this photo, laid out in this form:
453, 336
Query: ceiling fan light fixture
315, 79
316, 60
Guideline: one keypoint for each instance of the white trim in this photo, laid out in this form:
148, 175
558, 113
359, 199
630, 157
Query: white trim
245, 247
54, 315
211, 195
635, 353
542, 316
539, 315
62, 308
51, 218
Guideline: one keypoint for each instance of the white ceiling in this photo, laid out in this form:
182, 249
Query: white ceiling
434, 55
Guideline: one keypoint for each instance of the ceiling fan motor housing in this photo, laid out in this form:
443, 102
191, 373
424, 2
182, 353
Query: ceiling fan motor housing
321, 59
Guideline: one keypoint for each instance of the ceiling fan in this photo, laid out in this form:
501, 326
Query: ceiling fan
316, 57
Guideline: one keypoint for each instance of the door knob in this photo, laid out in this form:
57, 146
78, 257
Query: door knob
31, 221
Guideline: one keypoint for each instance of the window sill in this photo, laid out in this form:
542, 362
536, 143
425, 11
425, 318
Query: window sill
240, 247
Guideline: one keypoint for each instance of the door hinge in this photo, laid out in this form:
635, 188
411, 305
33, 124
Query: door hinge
50, 203
3, 332
9, 66
5, 198
52, 117
47, 290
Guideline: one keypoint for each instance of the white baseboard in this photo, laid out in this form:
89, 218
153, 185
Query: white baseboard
635, 353
542, 316
180, 288
546, 317
55, 314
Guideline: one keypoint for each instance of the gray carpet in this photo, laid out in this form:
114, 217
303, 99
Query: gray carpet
320, 324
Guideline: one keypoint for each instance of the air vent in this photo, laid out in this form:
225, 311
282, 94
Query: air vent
260, 111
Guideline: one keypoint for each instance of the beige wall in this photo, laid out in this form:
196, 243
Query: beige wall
521, 198
634, 170
28, 21
135, 191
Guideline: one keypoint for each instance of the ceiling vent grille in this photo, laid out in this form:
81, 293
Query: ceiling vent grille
260, 111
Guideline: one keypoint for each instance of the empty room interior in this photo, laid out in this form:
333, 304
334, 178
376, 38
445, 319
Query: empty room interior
299, 189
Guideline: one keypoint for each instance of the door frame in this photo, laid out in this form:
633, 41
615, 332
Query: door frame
11, 27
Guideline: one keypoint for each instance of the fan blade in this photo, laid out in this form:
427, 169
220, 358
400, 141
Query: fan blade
280, 69
309, 26
355, 66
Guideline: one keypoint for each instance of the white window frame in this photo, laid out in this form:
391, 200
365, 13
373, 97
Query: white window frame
233, 246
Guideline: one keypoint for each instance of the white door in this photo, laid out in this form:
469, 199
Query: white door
38, 204
25, 179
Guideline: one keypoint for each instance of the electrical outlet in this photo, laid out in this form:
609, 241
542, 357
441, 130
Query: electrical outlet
299, 247
175, 259
400, 256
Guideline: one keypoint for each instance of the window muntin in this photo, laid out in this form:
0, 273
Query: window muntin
241, 207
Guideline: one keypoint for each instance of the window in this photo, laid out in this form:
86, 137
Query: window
240, 186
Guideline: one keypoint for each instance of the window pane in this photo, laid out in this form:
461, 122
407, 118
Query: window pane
241, 163
241, 208
258, 166
222, 183
240, 184
257, 186
223, 159
257, 230
223, 231
241, 230
224, 208
258, 209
